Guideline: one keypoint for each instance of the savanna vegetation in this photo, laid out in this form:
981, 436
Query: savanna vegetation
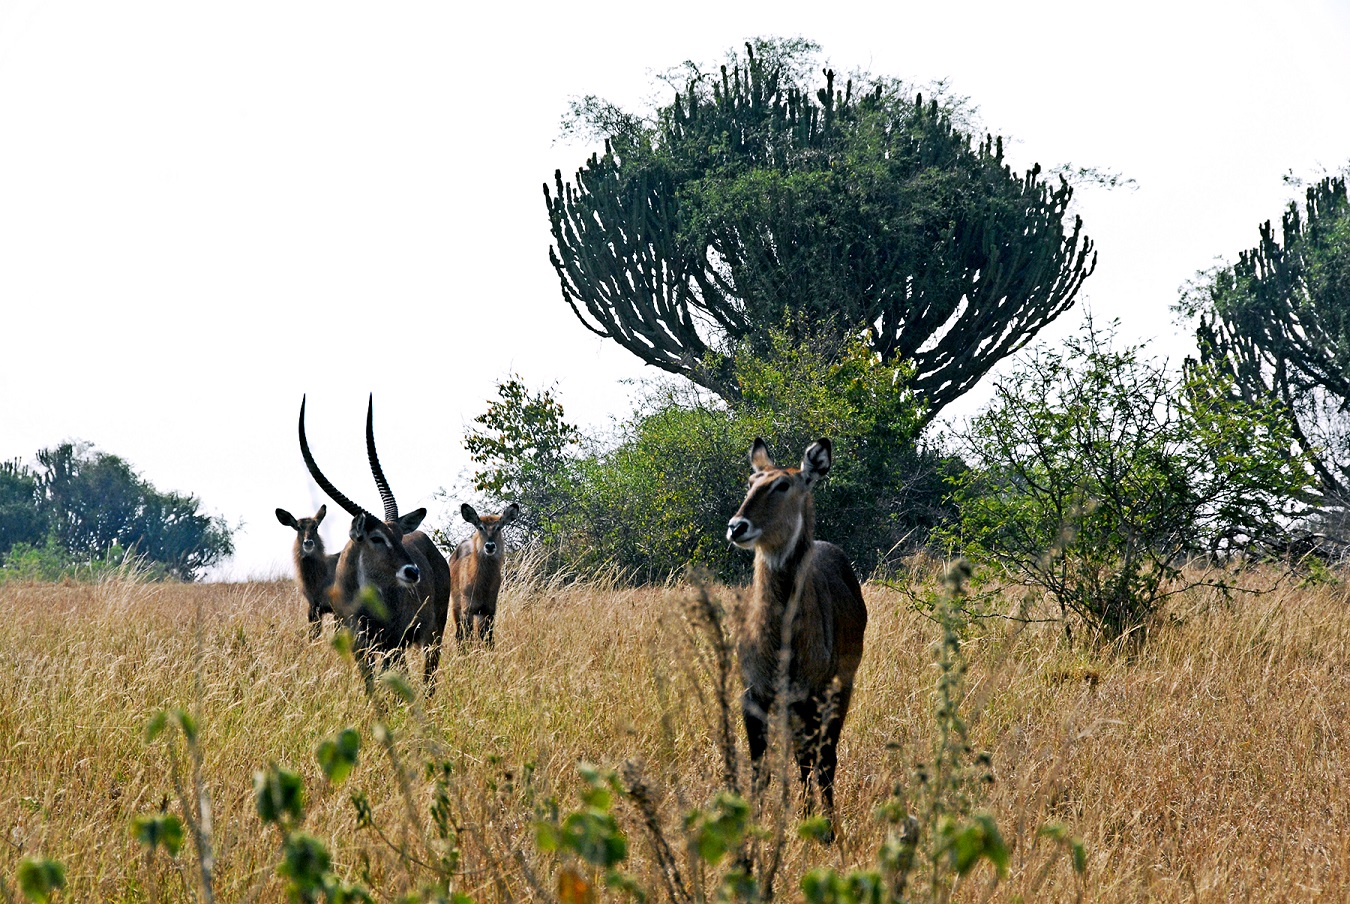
1132, 683
1209, 763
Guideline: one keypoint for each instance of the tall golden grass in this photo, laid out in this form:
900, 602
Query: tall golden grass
1209, 763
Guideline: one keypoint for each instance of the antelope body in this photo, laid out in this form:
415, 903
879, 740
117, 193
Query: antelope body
476, 574
314, 568
805, 601
391, 584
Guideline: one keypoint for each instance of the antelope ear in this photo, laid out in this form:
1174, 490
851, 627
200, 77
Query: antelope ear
759, 456
408, 523
816, 461
468, 514
287, 518
358, 529
318, 516
509, 514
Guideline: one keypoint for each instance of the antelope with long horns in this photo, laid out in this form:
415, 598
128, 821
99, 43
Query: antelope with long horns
392, 585
476, 574
314, 569
802, 632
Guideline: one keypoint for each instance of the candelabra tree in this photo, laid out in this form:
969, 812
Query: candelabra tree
750, 201
1278, 321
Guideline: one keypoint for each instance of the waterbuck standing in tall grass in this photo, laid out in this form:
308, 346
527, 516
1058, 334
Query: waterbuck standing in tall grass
314, 569
392, 585
476, 574
802, 634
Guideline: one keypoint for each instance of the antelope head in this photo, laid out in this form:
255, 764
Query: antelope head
489, 527
379, 546
308, 542
778, 508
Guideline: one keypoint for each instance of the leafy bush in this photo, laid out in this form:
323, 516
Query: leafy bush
521, 447
1098, 473
656, 494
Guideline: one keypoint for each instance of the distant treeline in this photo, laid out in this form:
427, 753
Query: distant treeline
80, 509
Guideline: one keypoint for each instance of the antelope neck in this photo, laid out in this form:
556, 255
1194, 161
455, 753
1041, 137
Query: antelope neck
781, 567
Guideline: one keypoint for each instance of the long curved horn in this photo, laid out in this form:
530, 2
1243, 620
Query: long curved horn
351, 507
386, 494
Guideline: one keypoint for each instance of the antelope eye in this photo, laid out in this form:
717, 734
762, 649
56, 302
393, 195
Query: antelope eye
781, 486
377, 539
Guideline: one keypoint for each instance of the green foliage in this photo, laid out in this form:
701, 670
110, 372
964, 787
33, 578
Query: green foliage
53, 562
1059, 834
720, 829
968, 842
520, 446
590, 832
1277, 322
763, 189
40, 878
86, 513
159, 830
1100, 473
657, 495
21, 520
307, 869
194, 800
825, 886
279, 795
337, 755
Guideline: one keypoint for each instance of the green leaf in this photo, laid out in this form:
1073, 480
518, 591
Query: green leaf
817, 828
622, 882
305, 864
40, 878
1055, 831
342, 642
155, 726
373, 603
720, 828
595, 838
738, 885
279, 795
978, 839
1078, 852
337, 755
188, 724
547, 837
365, 815
159, 829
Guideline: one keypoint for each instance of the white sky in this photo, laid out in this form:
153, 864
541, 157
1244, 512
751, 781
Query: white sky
207, 210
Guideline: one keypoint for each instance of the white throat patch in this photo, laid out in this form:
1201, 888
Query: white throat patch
776, 558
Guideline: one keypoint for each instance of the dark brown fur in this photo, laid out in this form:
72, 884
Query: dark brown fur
476, 574
813, 580
314, 568
391, 584
401, 614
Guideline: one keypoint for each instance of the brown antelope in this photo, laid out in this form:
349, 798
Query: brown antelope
476, 574
391, 586
313, 569
802, 636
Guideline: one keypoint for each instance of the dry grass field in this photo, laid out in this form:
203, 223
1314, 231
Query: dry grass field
1210, 764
